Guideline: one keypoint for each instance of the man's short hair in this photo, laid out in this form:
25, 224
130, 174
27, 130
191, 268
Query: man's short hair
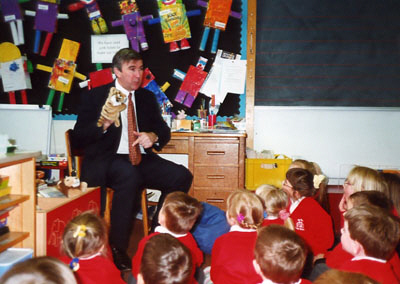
376, 230
181, 212
280, 253
165, 260
124, 55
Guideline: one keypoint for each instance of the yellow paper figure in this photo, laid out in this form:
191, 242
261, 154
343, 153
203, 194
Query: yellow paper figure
63, 71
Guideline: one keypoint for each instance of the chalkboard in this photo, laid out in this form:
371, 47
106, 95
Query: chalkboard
328, 53
158, 58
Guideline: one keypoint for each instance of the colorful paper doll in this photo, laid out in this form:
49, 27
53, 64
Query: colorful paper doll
150, 84
174, 23
14, 72
218, 12
12, 15
192, 82
46, 16
132, 21
63, 71
97, 21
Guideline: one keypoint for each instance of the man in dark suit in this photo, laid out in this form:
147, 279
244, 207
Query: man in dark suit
106, 158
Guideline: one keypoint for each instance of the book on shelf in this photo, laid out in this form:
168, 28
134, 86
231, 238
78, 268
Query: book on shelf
5, 191
49, 191
4, 181
53, 163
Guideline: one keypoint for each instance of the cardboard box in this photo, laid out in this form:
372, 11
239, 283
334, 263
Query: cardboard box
12, 256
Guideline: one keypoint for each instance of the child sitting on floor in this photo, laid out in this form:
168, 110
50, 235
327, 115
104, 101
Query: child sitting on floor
233, 253
370, 234
275, 202
84, 244
177, 217
165, 260
280, 255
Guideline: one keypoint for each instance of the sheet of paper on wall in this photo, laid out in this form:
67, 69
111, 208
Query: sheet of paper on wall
227, 75
14, 76
105, 46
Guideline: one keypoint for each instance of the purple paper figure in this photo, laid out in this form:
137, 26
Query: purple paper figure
97, 21
12, 15
132, 21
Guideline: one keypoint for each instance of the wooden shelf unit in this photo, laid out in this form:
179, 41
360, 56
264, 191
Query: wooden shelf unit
21, 220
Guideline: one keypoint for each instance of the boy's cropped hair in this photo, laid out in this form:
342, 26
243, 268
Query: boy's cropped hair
334, 276
371, 198
181, 212
376, 230
165, 261
280, 253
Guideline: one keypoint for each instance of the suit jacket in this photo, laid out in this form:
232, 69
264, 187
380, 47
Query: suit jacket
99, 147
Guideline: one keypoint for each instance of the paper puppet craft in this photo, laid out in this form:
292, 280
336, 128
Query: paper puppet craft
150, 84
192, 82
132, 21
12, 15
14, 72
98, 78
218, 12
174, 23
46, 16
97, 21
63, 71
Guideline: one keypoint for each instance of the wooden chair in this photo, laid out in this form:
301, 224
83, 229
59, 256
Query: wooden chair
75, 157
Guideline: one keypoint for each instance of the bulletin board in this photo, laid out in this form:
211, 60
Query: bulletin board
328, 53
158, 58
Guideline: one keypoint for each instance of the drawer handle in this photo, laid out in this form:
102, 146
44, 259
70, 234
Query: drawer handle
170, 146
215, 176
215, 200
215, 152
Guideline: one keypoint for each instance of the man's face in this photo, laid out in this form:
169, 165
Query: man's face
130, 75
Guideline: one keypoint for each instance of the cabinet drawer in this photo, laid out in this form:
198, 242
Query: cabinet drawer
216, 198
216, 153
216, 177
176, 146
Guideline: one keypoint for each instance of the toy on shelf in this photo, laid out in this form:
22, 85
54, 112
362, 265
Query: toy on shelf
192, 82
14, 71
97, 21
63, 71
46, 16
150, 84
12, 15
132, 21
174, 23
218, 12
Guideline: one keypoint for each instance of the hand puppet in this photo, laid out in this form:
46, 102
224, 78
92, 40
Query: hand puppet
70, 182
114, 104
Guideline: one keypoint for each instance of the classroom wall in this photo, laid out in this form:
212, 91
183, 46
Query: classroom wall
334, 137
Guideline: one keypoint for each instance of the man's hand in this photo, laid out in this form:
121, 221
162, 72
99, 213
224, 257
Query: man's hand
146, 139
106, 124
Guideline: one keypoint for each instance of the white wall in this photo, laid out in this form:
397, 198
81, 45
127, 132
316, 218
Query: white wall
57, 145
335, 138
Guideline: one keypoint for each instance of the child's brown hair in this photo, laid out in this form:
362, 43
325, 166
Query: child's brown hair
165, 260
181, 212
246, 208
334, 276
371, 198
84, 235
302, 181
376, 230
280, 254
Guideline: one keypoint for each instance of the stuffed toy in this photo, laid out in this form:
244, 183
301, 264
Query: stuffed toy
114, 104
70, 182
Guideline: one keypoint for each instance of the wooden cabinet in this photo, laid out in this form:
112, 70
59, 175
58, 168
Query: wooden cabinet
216, 162
53, 214
21, 221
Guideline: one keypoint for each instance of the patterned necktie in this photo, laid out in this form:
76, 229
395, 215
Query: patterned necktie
134, 152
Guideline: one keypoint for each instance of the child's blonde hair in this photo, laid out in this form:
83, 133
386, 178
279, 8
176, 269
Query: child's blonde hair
275, 203
246, 208
363, 178
85, 235
181, 212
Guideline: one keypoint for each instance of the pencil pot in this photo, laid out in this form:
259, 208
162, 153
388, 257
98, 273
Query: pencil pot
266, 171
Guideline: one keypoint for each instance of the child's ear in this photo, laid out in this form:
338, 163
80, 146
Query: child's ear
140, 279
257, 268
359, 249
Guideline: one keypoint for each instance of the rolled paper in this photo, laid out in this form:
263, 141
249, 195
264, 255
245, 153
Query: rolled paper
50, 97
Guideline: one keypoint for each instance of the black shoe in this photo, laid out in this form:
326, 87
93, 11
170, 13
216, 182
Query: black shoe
121, 259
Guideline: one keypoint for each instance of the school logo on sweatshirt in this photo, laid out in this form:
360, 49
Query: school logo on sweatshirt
300, 225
